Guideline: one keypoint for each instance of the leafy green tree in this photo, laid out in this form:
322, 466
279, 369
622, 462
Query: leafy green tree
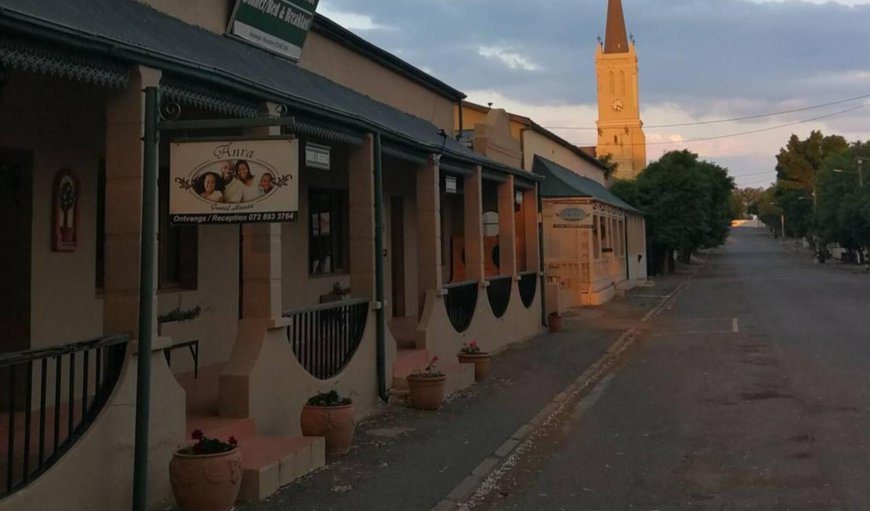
687, 202
608, 161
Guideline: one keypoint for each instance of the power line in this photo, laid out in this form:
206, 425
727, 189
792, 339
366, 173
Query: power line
750, 132
753, 173
731, 119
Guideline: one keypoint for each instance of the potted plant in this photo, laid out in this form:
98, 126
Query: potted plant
427, 387
331, 416
207, 475
555, 322
471, 354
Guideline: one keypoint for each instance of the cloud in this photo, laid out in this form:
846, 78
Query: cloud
699, 60
509, 58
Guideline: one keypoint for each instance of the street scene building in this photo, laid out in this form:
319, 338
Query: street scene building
265, 255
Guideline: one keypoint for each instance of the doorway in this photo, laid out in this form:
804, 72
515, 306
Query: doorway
16, 203
397, 248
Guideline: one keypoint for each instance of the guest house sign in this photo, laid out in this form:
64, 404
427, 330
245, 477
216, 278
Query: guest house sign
234, 182
572, 217
279, 26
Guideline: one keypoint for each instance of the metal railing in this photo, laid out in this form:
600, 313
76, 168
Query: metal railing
528, 287
52, 396
325, 337
460, 302
499, 293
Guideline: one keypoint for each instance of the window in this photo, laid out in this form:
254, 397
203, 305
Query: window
100, 270
327, 232
178, 259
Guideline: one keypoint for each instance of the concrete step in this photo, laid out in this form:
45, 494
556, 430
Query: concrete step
268, 463
221, 428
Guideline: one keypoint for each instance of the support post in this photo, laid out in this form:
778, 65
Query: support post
474, 260
507, 233
379, 269
146, 300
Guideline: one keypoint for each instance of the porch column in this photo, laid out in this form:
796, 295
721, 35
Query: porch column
125, 128
261, 254
429, 228
530, 223
507, 239
474, 258
362, 219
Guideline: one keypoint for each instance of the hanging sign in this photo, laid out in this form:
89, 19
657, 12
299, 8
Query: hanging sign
65, 212
317, 156
234, 182
279, 26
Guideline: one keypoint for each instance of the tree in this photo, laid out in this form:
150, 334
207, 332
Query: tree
607, 161
687, 202
798, 165
748, 197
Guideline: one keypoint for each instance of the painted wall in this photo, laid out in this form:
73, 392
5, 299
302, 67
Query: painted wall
62, 123
536, 144
400, 181
352, 70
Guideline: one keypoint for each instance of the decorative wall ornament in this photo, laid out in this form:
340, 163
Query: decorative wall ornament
65, 212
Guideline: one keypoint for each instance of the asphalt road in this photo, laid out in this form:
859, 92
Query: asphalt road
752, 392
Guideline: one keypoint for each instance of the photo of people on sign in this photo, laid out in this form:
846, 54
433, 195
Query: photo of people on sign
234, 182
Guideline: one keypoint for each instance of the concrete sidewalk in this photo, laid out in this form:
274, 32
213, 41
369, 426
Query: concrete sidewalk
405, 459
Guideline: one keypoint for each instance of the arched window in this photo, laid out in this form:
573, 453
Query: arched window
615, 139
612, 83
622, 83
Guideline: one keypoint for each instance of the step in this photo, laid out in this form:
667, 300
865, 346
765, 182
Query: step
221, 428
268, 463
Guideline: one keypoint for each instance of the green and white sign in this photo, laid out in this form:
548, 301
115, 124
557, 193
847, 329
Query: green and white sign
279, 26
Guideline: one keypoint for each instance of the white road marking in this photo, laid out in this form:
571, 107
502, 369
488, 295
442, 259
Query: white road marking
735, 326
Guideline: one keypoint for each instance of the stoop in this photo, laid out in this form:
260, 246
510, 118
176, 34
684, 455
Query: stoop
268, 463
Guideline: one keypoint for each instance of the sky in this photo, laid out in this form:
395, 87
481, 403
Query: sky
699, 61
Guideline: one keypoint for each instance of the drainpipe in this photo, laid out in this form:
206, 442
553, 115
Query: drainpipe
541, 257
459, 133
146, 301
379, 270
625, 246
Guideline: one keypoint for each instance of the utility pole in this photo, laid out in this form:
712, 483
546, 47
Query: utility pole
782, 225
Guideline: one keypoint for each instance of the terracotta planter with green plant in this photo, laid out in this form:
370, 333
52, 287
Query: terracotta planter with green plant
207, 475
331, 416
471, 354
426, 387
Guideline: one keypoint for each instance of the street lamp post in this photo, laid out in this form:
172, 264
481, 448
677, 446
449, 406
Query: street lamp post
860, 161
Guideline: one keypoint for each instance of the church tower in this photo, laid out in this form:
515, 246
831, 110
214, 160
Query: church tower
620, 130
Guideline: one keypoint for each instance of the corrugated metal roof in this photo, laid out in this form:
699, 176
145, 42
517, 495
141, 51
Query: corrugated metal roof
562, 182
126, 29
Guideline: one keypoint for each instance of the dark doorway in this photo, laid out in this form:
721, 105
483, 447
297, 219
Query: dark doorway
397, 248
16, 202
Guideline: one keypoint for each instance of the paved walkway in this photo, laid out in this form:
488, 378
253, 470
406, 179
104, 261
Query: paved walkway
405, 459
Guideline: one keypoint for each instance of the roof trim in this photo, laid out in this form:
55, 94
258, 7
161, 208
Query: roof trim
336, 33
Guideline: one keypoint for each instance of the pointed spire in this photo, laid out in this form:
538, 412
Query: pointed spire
615, 40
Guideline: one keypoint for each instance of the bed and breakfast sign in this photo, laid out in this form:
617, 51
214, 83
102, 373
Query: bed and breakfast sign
279, 26
234, 182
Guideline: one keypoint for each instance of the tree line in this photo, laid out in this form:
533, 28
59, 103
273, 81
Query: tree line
688, 206
818, 193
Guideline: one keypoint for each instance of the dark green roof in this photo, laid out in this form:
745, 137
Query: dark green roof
132, 32
560, 182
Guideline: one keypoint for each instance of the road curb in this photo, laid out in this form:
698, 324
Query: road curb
505, 456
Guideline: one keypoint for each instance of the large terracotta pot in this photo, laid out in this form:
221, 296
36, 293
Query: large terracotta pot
207, 482
427, 392
334, 423
480, 361
555, 323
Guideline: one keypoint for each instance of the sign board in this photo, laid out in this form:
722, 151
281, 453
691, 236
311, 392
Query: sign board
572, 217
234, 182
279, 26
450, 184
317, 156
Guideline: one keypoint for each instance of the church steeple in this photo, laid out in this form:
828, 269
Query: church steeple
615, 40
620, 130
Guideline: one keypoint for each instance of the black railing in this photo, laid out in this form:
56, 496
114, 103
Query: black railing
51, 397
460, 302
528, 286
325, 337
499, 293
